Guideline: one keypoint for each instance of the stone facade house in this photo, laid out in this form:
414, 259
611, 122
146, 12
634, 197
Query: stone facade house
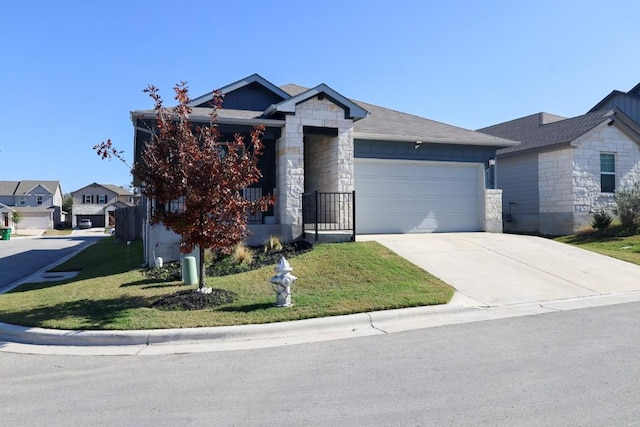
565, 169
409, 174
39, 202
98, 203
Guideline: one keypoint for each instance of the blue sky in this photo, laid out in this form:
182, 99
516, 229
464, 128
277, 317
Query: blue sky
71, 71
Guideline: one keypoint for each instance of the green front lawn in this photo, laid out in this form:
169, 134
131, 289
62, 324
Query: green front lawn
616, 245
112, 292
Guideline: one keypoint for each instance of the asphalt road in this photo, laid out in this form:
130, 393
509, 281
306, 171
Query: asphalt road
577, 367
21, 257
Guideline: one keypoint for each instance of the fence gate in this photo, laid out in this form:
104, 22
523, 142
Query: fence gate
328, 212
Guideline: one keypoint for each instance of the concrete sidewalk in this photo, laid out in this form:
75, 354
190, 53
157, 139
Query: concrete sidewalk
497, 276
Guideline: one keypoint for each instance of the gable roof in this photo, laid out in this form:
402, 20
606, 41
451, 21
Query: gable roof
536, 133
254, 78
8, 188
113, 188
631, 96
117, 189
386, 124
351, 109
17, 188
370, 121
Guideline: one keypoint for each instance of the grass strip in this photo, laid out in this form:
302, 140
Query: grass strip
111, 291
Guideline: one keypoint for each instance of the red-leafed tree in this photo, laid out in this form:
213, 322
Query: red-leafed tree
195, 179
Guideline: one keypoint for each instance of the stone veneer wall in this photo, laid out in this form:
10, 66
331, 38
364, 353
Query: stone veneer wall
555, 191
493, 211
587, 197
336, 167
317, 168
568, 200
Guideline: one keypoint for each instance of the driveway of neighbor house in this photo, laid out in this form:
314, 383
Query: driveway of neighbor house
490, 269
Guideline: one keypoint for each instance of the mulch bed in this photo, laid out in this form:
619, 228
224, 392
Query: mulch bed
192, 300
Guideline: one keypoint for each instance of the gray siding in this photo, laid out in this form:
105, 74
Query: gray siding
518, 179
406, 151
629, 105
254, 97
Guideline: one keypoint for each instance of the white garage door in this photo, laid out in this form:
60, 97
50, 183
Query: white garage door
403, 196
35, 221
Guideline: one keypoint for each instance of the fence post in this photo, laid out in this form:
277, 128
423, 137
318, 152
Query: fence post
353, 210
315, 220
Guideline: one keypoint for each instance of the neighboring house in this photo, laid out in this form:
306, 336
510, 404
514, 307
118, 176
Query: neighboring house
565, 169
39, 202
627, 102
410, 174
98, 203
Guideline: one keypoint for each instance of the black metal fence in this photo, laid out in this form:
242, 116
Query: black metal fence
326, 212
253, 194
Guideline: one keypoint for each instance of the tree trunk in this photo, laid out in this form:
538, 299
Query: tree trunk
202, 269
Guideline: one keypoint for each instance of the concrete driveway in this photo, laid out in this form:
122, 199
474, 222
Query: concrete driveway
489, 269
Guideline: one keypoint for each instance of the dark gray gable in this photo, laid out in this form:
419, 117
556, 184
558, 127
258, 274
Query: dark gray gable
629, 103
253, 93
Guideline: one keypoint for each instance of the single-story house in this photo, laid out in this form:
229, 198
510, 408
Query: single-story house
39, 203
410, 174
98, 203
564, 169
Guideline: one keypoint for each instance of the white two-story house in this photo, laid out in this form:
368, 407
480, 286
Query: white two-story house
39, 204
98, 203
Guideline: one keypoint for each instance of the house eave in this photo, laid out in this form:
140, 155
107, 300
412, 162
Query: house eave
432, 140
220, 120
545, 148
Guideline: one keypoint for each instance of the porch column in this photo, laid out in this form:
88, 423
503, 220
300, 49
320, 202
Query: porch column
344, 155
290, 177
493, 211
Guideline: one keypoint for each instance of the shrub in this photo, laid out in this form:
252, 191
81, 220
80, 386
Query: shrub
601, 220
242, 254
628, 206
272, 244
169, 272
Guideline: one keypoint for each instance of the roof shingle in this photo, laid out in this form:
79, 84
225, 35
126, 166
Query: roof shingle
541, 130
393, 124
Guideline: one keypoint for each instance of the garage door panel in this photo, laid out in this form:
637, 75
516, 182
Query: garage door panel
414, 197
35, 221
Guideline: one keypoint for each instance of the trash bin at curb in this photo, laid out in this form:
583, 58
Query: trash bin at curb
189, 271
6, 234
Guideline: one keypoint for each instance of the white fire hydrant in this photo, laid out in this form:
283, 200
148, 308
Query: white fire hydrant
282, 282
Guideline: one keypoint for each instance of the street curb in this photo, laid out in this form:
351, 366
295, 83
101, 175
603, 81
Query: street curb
41, 336
21, 339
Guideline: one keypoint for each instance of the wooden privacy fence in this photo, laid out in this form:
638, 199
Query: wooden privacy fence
129, 223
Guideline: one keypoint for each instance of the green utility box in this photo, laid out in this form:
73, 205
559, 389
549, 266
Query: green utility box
189, 271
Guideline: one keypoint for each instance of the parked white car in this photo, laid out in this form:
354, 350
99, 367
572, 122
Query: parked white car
85, 223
